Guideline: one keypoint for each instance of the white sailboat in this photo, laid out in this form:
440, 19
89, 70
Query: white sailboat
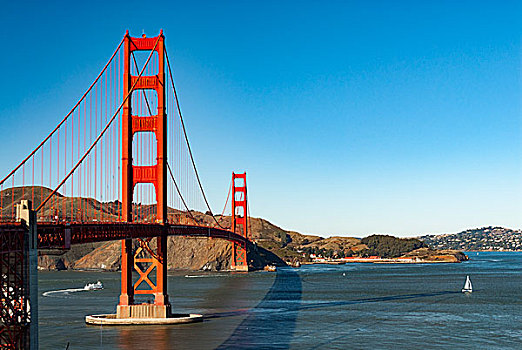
468, 288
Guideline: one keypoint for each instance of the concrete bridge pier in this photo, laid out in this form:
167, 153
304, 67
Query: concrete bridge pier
27, 216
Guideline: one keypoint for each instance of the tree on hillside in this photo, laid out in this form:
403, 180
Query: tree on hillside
388, 246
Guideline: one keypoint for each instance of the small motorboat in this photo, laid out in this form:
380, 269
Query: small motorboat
468, 288
93, 286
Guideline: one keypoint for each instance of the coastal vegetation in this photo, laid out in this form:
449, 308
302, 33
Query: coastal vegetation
387, 246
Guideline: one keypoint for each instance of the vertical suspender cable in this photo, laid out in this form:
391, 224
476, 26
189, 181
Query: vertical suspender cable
186, 138
101, 133
65, 118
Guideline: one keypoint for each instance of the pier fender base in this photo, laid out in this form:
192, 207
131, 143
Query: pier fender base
112, 320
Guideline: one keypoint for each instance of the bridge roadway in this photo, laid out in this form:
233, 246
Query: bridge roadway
61, 236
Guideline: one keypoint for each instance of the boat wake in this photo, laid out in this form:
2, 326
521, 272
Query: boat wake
203, 276
88, 287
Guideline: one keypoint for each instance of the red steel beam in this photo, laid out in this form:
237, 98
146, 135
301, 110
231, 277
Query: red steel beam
61, 236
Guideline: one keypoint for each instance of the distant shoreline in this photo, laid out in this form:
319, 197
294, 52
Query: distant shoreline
403, 260
493, 251
383, 261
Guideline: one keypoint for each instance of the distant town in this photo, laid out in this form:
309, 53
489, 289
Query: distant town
486, 238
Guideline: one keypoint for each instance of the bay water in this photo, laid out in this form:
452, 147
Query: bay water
352, 306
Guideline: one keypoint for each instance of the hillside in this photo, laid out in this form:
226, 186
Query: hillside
387, 246
272, 244
183, 254
485, 238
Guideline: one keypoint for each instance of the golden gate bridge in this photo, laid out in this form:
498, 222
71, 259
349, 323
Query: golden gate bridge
118, 166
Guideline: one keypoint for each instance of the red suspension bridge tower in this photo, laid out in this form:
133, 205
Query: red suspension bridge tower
132, 175
239, 221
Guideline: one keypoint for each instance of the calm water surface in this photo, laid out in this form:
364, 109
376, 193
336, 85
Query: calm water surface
353, 306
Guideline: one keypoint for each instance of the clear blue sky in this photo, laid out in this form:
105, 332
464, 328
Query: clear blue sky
350, 117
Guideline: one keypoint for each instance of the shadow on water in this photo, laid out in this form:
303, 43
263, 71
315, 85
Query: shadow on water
287, 308
377, 299
341, 328
273, 320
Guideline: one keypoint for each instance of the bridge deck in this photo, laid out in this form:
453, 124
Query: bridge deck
52, 235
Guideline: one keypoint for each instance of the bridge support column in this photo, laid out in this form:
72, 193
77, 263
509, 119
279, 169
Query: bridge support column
144, 260
27, 216
160, 296
127, 265
239, 221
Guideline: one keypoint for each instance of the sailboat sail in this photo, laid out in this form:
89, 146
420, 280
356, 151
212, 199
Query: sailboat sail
467, 286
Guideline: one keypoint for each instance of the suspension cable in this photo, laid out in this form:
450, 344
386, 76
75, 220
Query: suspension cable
228, 196
102, 132
187, 141
249, 221
179, 192
168, 165
66, 117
